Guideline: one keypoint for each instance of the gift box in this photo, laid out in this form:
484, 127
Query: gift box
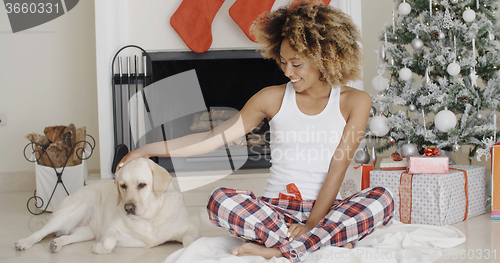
389, 164
435, 199
357, 178
495, 176
428, 164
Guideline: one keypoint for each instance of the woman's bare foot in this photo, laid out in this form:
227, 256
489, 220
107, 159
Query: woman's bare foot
251, 249
349, 245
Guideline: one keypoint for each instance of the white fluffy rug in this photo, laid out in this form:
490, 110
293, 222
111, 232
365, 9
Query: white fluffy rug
396, 242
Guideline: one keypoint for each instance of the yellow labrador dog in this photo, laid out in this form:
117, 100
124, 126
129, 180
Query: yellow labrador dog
141, 209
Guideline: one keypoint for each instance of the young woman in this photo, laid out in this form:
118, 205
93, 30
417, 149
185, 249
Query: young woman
316, 124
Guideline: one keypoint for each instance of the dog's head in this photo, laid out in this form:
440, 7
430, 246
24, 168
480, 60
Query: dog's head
140, 185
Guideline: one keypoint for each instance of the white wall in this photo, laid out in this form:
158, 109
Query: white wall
148, 25
47, 77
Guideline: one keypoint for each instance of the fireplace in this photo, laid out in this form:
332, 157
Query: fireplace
227, 79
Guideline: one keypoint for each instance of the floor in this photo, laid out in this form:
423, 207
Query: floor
483, 238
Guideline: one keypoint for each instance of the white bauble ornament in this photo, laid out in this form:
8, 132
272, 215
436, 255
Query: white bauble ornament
404, 8
409, 149
491, 36
453, 69
405, 74
417, 44
379, 125
380, 83
445, 120
469, 15
454, 1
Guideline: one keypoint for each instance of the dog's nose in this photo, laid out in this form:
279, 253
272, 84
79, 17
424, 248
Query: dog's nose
130, 208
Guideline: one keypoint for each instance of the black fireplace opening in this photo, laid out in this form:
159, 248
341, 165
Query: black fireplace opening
228, 79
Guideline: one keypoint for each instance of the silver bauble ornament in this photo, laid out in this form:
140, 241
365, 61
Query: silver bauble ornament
409, 149
479, 116
373, 156
381, 52
417, 44
373, 111
412, 108
362, 156
441, 36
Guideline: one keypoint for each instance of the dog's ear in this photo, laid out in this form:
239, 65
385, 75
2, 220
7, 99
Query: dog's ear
119, 196
161, 178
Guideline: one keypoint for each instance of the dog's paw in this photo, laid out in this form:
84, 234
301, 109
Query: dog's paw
55, 246
23, 244
99, 248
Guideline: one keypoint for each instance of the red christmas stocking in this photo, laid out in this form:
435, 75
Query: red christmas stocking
193, 22
245, 12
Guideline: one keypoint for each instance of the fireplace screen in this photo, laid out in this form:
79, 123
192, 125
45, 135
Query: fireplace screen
195, 92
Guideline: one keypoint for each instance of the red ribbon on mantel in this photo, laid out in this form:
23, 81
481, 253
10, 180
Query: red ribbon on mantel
431, 151
405, 195
291, 189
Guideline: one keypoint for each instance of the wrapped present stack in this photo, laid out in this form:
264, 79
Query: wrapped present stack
429, 191
495, 175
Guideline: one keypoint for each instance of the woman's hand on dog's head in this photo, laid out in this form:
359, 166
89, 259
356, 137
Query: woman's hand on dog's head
132, 155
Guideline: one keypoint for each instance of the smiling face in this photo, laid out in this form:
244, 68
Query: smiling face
301, 73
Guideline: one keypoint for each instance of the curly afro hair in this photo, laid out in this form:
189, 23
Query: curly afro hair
320, 34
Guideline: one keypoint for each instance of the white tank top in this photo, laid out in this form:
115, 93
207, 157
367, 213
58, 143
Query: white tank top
302, 145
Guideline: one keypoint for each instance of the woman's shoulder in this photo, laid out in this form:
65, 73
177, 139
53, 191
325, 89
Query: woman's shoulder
269, 99
354, 100
353, 95
273, 91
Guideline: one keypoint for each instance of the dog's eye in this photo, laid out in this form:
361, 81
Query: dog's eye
123, 186
141, 185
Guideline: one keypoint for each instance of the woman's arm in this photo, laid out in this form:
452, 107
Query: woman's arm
248, 118
358, 108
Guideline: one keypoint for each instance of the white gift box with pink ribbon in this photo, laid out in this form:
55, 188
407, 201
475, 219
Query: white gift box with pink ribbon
435, 199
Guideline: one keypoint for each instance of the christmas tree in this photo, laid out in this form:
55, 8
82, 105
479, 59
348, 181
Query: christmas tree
438, 77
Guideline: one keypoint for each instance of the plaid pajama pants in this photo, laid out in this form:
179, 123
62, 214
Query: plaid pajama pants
263, 220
